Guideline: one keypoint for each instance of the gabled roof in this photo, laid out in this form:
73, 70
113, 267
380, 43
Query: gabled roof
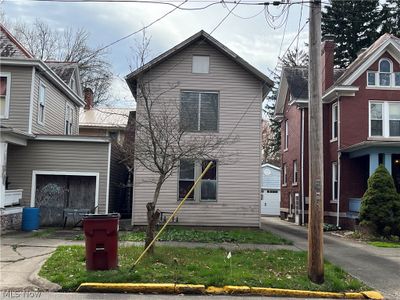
10, 47
201, 35
104, 117
379, 45
64, 70
270, 166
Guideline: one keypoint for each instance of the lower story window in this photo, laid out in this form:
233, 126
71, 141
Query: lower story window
189, 171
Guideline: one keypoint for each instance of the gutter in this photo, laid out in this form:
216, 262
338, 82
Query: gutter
338, 166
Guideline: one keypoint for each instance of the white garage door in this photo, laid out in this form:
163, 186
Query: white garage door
270, 202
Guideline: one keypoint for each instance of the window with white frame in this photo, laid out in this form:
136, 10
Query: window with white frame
200, 64
384, 77
69, 119
199, 111
42, 103
334, 121
334, 181
284, 175
295, 172
384, 119
5, 85
189, 171
286, 134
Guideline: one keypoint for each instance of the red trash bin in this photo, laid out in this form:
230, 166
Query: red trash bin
101, 241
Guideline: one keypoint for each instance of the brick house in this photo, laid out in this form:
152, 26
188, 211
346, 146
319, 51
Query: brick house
361, 129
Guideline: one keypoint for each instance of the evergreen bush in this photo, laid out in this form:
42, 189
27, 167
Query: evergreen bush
380, 205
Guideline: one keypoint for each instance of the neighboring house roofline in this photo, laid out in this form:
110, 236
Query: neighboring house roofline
75, 73
72, 138
48, 72
271, 166
132, 77
16, 42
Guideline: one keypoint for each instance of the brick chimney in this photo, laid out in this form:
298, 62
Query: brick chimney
327, 49
88, 93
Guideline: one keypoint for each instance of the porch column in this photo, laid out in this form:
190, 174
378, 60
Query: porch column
373, 162
388, 162
3, 168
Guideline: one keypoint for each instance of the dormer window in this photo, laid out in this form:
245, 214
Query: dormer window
385, 77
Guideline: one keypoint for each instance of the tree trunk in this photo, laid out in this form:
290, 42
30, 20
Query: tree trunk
153, 216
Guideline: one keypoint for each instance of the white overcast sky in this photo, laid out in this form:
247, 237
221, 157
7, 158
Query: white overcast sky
253, 39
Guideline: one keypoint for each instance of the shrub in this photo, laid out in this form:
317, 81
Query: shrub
380, 205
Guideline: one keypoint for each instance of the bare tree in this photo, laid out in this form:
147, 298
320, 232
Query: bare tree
267, 141
68, 45
163, 140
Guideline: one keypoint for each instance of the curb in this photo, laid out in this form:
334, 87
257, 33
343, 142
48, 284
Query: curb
41, 282
172, 288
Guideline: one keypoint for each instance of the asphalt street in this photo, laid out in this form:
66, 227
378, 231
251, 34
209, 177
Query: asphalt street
379, 268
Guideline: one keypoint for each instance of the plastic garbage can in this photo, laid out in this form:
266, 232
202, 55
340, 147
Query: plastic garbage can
101, 241
30, 218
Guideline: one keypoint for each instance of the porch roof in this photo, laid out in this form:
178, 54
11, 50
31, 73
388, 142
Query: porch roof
375, 146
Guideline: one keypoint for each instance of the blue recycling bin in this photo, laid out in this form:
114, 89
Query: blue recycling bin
30, 218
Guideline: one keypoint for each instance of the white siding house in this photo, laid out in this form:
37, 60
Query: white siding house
270, 190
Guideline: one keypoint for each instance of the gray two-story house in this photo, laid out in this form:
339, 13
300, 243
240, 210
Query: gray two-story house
223, 95
44, 162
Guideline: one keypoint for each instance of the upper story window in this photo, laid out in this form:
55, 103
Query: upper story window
5, 86
199, 111
200, 64
69, 119
72, 84
286, 145
385, 77
284, 175
42, 103
384, 119
189, 170
334, 121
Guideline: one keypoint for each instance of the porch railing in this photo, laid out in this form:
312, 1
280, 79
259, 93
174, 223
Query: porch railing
13, 197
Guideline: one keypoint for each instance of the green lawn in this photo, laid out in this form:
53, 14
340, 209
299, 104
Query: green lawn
186, 234
384, 244
278, 268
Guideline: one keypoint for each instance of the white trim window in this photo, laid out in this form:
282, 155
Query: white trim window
5, 90
384, 119
201, 64
189, 171
334, 121
284, 175
286, 145
295, 173
384, 77
42, 103
69, 119
335, 180
199, 111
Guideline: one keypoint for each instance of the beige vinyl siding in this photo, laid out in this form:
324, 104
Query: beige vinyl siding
21, 81
55, 110
57, 156
238, 187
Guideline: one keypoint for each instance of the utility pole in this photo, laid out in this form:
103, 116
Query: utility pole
316, 188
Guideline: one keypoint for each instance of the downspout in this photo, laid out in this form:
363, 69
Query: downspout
302, 166
338, 165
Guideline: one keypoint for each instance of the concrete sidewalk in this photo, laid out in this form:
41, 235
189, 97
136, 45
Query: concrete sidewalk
377, 267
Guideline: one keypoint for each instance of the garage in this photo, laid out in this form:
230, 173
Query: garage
64, 195
270, 190
270, 202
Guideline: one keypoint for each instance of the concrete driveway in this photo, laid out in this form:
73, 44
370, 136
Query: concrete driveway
377, 267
